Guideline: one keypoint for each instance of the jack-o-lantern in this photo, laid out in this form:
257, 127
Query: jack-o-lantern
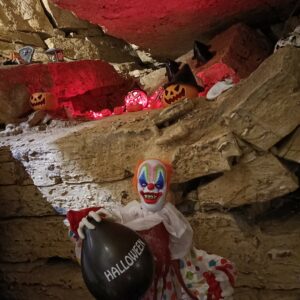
43, 101
176, 92
183, 85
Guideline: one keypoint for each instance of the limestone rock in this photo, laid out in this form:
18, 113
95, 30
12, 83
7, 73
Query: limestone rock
99, 47
75, 48
24, 38
12, 172
36, 118
9, 172
290, 147
104, 48
14, 102
266, 249
18, 195
45, 279
173, 112
23, 201
205, 156
114, 50
63, 280
5, 154
65, 19
27, 16
5, 50
264, 294
40, 56
265, 108
30, 239
21, 198
170, 31
257, 179
83, 154
61, 197
153, 80
250, 247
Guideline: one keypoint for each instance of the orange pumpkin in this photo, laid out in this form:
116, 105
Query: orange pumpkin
43, 101
177, 92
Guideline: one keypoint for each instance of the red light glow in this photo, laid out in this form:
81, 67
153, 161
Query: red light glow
154, 100
215, 73
137, 99
118, 110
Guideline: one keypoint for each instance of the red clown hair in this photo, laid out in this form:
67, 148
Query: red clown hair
168, 167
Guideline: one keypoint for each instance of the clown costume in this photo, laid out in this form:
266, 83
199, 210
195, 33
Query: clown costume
181, 271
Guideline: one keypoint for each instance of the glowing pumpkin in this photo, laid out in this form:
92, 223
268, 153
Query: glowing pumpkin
177, 92
43, 101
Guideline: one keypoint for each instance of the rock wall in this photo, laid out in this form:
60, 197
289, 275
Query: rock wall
169, 29
236, 160
42, 25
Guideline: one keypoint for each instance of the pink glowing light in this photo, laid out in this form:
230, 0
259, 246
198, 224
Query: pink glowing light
136, 98
154, 100
118, 110
93, 115
105, 112
134, 107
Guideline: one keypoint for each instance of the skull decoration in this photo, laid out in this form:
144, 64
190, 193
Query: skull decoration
176, 92
152, 184
26, 54
43, 101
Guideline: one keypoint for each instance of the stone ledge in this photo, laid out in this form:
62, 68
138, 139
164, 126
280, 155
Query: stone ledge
264, 108
261, 252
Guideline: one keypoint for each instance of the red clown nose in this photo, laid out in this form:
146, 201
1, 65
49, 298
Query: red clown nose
150, 186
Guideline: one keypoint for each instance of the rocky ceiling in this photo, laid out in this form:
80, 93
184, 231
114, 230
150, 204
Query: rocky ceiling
168, 28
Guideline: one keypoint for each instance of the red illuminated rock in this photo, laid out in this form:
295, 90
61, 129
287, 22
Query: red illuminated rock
238, 52
241, 48
169, 28
88, 84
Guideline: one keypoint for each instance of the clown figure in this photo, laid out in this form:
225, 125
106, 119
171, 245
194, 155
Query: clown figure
181, 271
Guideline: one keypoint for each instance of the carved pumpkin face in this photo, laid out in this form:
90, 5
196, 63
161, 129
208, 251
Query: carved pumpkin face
177, 92
43, 101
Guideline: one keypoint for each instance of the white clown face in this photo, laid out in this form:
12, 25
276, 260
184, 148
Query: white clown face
152, 184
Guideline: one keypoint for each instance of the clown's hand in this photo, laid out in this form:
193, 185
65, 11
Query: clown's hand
97, 216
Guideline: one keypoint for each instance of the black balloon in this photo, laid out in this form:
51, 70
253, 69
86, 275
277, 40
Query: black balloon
116, 262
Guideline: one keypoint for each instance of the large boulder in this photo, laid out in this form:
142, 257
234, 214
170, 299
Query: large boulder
95, 47
262, 251
26, 16
168, 29
255, 179
264, 108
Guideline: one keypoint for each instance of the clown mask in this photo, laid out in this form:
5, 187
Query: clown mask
152, 184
